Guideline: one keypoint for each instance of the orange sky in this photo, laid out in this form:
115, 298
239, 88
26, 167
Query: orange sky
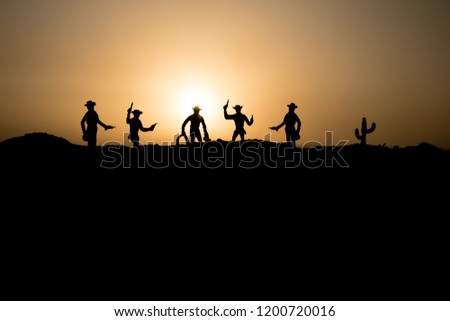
338, 60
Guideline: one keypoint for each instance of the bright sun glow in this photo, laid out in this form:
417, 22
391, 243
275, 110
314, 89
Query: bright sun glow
199, 96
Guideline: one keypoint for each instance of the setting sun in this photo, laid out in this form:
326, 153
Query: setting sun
203, 97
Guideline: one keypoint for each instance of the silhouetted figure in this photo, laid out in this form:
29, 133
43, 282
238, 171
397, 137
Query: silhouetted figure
239, 120
290, 120
194, 132
91, 119
136, 125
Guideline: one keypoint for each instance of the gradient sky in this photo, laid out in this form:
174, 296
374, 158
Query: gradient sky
338, 60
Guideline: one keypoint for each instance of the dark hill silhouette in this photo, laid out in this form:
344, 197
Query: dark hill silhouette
336, 233
254, 166
37, 139
47, 151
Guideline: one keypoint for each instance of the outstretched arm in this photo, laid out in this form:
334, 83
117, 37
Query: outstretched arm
102, 124
277, 127
149, 129
282, 124
106, 127
249, 122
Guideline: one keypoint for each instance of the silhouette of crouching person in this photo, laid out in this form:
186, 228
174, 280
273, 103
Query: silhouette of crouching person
136, 125
194, 131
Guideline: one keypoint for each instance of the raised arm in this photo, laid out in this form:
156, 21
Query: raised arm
225, 112
226, 115
128, 116
129, 112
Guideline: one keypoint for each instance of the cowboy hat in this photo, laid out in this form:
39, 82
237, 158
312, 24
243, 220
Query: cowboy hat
89, 103
196, 108
237, 107
136, 112
292, 105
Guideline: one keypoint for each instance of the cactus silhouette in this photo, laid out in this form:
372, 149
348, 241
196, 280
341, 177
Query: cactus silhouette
364, 131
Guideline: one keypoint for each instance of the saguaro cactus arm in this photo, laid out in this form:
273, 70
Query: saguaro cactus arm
371, 129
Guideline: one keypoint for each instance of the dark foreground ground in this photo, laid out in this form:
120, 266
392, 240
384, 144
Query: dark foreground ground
223, 221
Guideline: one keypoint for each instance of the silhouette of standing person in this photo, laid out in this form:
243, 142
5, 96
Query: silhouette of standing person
194, 132
91, 119
239, 120
290, 120
136, 125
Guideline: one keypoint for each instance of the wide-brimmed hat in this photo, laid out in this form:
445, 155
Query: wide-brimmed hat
292, 105
136, 112
238, 107
196, 108
90, 103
